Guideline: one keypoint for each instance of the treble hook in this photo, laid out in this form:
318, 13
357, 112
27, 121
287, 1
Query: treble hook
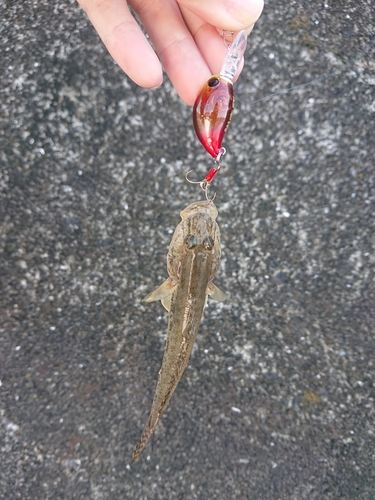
206, 182
203, 184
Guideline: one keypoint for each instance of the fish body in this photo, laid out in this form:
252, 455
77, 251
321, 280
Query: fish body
192, 262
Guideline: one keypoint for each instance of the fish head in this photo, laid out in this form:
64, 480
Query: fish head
199, 226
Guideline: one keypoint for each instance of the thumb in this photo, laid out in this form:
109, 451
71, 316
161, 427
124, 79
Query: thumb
232, 15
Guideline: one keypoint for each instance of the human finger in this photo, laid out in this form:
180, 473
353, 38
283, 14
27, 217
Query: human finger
210, 42
174, 45
124, 40
233, 15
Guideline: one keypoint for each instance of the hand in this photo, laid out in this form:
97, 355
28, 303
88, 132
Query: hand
185, 34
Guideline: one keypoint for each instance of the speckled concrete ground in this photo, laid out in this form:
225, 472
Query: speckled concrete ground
277, 402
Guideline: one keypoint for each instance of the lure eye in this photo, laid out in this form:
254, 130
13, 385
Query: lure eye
208, 243
191, 241
212, 82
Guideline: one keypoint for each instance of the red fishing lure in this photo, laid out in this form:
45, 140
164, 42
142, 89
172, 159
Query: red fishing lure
214, 105
212, 112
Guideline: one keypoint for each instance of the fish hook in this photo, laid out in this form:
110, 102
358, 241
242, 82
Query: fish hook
206, 182
203, 184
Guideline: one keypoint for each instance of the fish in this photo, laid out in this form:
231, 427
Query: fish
192, 263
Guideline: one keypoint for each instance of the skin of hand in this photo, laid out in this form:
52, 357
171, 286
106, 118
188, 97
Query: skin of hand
184, 33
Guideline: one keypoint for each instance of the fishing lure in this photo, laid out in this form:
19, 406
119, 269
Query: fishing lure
192, 262
214, 106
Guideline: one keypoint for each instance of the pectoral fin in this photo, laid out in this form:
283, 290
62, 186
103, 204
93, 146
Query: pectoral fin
215, 293
163, 293
167, 302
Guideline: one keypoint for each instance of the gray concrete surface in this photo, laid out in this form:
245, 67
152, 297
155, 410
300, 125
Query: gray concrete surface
278, 400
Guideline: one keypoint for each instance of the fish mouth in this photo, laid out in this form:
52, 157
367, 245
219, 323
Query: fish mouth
206, 207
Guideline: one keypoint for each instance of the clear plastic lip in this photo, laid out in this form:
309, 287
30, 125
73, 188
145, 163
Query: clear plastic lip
234, 56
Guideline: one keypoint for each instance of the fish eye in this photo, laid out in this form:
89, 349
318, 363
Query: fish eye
191, 241
208, 243
212, 82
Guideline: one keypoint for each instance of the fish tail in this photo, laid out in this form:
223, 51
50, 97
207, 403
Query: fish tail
144, 439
